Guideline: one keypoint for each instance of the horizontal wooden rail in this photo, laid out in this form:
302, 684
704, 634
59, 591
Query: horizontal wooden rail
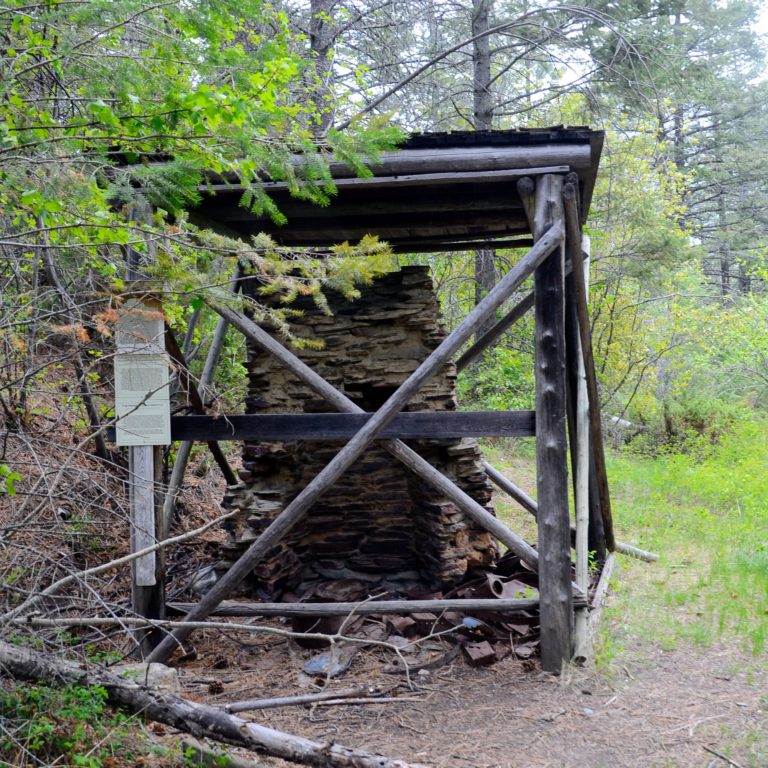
400, 180
477, 605
424, 425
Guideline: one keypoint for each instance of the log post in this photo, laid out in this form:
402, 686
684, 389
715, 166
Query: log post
494, 333
551, 453
525, 501
581, 487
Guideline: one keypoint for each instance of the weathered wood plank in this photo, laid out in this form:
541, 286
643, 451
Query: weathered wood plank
142, 492
554, 543
322, 238
445, 223
436, 246
342, 426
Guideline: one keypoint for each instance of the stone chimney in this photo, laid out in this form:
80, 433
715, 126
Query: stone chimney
380, 528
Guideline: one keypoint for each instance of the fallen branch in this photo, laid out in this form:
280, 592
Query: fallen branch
722, 757
371, 607
199, 720
307, 698
369, 700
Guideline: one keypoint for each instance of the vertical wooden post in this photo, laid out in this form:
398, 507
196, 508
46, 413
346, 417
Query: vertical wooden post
573, 230
577, 248
142, 495
551, 451
581, 490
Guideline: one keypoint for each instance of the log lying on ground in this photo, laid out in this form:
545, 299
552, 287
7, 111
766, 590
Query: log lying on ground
199, 720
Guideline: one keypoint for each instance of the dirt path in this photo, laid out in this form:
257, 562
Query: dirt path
656, 709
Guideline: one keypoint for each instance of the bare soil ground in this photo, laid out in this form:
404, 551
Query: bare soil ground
653, 708
646, 706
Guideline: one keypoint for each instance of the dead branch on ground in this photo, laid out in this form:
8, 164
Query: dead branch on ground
199, 720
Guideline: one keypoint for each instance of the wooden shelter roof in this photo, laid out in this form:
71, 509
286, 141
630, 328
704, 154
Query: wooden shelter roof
438, 191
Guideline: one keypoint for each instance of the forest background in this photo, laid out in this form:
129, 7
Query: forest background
106, 107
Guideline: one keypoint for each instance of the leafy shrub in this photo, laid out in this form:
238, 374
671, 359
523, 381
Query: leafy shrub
502, 381
70, 726
692, 424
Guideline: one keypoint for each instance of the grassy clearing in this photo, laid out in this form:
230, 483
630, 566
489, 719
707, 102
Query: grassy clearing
706, 513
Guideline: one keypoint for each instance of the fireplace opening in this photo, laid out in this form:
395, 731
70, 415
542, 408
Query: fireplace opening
380, 529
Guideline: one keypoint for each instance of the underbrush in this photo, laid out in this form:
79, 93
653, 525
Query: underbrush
706, 513
71, 726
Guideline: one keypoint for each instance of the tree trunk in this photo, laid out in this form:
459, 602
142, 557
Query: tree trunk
481, 62
485, 270
321, 37
200, 720
723, 248
745, 279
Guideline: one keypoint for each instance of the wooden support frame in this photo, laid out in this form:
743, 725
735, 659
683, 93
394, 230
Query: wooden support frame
488, 174
547, 242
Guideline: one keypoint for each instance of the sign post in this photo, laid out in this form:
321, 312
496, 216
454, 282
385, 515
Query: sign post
142, 406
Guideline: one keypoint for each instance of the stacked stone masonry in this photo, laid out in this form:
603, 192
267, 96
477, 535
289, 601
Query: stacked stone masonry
380, 527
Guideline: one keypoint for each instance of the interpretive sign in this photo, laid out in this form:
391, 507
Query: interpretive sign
142, 397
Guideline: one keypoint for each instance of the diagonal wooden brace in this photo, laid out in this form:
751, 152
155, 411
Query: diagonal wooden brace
355, 447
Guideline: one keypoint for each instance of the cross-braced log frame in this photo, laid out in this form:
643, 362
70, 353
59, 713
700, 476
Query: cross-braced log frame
548, 242
543, 201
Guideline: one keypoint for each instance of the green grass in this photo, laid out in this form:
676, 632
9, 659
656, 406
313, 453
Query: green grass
706, 513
